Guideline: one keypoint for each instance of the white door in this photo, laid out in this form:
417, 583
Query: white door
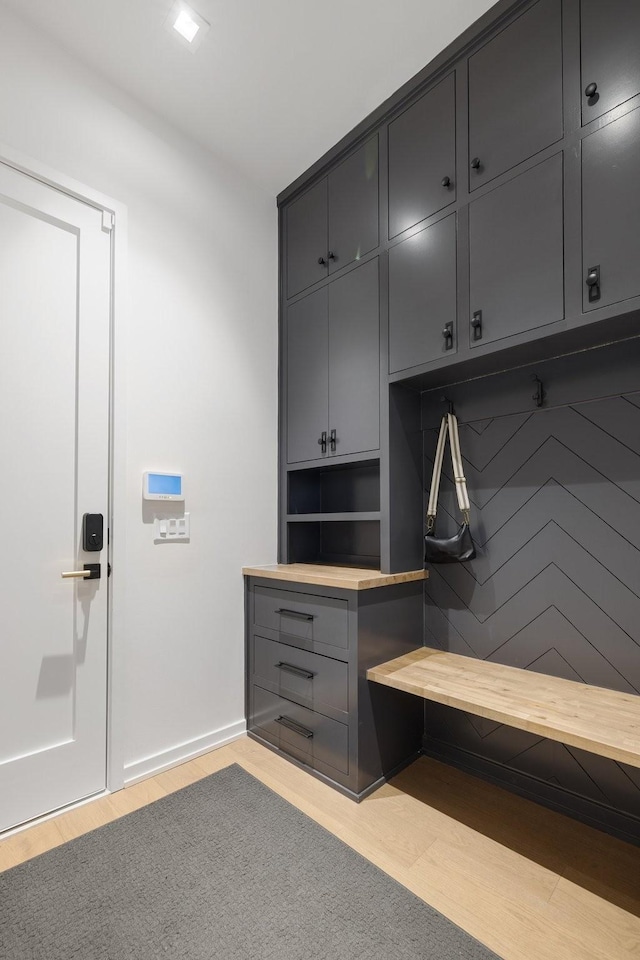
54, 458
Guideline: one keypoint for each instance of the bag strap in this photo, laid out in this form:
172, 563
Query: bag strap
458, 469
449, 425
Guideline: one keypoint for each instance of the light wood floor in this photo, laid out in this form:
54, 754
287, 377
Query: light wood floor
529, 883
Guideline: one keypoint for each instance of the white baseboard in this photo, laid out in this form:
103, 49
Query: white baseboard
149, 766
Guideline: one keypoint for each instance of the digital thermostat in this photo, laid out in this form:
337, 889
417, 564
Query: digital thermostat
158, 485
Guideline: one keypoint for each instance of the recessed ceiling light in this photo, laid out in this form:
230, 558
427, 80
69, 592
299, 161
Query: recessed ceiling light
186, 24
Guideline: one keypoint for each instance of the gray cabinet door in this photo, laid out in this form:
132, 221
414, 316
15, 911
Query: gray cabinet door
422, 144
353, 207
516, 253
307, 376
611, 209
354, 360
610, 35
307, 239
422, 296
515, 93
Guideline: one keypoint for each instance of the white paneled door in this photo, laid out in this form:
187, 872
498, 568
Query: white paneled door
55, 280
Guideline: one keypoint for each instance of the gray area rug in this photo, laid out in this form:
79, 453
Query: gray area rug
224, 868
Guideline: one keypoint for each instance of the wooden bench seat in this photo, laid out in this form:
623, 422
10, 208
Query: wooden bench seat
601, 721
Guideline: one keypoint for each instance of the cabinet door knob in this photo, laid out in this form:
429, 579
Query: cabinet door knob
590, 90
475, 163
333, 440
331, 255
322, 261
323, 441
446, 181
476, 325
447, 333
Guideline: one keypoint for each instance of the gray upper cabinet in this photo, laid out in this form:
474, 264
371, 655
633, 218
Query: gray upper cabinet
516, 255
307, 239
354, 360
335, 222
333, 368
422, 147
610, 33
611, 212
515, 93
307, 376
353, 207
422, 296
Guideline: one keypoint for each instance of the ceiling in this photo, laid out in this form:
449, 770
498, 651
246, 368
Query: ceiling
274, 83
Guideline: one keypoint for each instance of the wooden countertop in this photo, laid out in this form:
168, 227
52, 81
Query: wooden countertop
346, 578
601, 721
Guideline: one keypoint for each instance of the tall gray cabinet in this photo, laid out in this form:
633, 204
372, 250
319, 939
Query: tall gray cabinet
482, 218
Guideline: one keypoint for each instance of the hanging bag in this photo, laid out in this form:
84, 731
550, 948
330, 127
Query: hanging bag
460, 547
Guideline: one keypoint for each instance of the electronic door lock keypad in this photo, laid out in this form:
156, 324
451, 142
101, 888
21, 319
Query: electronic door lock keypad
92, 532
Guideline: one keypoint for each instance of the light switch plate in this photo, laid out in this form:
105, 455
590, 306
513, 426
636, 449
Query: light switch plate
172, 528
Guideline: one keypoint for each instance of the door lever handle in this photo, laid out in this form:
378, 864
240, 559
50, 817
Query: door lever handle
91, 571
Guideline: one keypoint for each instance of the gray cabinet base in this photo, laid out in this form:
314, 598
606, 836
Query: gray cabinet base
362, 795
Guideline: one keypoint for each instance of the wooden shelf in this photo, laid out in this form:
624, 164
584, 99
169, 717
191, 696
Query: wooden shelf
595, 719
332, 517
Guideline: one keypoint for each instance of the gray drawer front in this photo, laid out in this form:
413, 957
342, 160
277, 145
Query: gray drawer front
311, 737
316, 620
301, 674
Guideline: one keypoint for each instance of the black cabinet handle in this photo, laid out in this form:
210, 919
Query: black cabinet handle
590, 90
331, 255
322, 261
323, 441
295, 727
593, 282
476, 325
446, 181
296, 615
333, 441
447, 333
475, 163
296, 671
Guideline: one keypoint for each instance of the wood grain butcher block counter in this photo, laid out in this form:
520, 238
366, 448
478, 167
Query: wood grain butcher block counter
595, 719
345, 578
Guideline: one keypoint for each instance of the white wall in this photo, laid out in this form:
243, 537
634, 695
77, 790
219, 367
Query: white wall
201, 372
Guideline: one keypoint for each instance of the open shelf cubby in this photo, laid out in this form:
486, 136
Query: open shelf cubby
335, 489
333, 514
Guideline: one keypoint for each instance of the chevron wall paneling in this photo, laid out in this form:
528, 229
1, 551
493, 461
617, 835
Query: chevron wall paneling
555, 587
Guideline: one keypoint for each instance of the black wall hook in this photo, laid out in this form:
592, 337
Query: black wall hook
446, 400
539, 395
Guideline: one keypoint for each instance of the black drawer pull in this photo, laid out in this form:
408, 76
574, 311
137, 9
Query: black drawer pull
296, 671
295, 727
296, 614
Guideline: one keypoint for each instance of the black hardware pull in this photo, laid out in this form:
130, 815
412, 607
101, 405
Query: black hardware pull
295, 727
475, 163
476, 325
447, 333
331, 255
333, 441
296, 615
590, 91
446, 181
323, 441
296, 671
593, 282
322, 261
